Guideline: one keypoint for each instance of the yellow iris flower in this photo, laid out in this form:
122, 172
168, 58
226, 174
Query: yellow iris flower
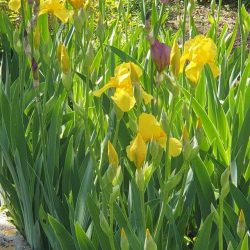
112, 155
57, 8
150, 129
137, 151
126, 75
198, 52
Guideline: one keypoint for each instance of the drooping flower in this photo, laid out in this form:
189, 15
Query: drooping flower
57, 8
112, 155
137, 151
160, 55
126, 75
150, 129
198, 52
63, 58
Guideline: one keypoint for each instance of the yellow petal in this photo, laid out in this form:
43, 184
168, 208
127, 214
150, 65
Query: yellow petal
175, 147
124, 100
146, 97
112, 155
214, 69
111, 84
15, 5
77, 4
56, 7
137, 151
193, 71
175, 57
150, 129
129, 71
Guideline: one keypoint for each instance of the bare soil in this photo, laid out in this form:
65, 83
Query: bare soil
10, 238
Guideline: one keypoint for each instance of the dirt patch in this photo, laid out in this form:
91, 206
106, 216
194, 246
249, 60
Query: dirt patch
201, 15
10, 238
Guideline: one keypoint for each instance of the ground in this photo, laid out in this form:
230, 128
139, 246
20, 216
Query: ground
10, 238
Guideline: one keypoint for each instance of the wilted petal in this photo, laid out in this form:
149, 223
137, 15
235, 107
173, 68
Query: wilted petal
137, 151
123, 100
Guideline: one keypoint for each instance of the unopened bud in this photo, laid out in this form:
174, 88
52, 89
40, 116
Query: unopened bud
139, 178
124, 241
160, 55
241, 226
17, 42
185, 112
149, 243
63, 58
36, 37
67, 80
175, 57
35, 72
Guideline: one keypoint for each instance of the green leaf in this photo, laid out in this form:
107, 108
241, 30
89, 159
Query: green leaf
204, 185
94, 212
241, 202
209, 128
68, 164
63, 236
123, 222
81, 214
204, 234
83, 240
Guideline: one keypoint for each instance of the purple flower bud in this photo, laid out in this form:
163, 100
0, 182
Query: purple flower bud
160, 55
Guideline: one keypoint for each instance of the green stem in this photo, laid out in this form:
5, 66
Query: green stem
116, 132
243, 42
184, 23
111, 220
221, 225
167, 169
143, 211
160, 20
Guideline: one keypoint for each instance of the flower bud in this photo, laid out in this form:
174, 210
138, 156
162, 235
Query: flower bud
124, 244
35, 72
67, 80
63, 58
164, 1
112, 155
241, 226
36, 37
185, 112
16, 42
160, 55
190, 149
175, 57
149, 243
139, 178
